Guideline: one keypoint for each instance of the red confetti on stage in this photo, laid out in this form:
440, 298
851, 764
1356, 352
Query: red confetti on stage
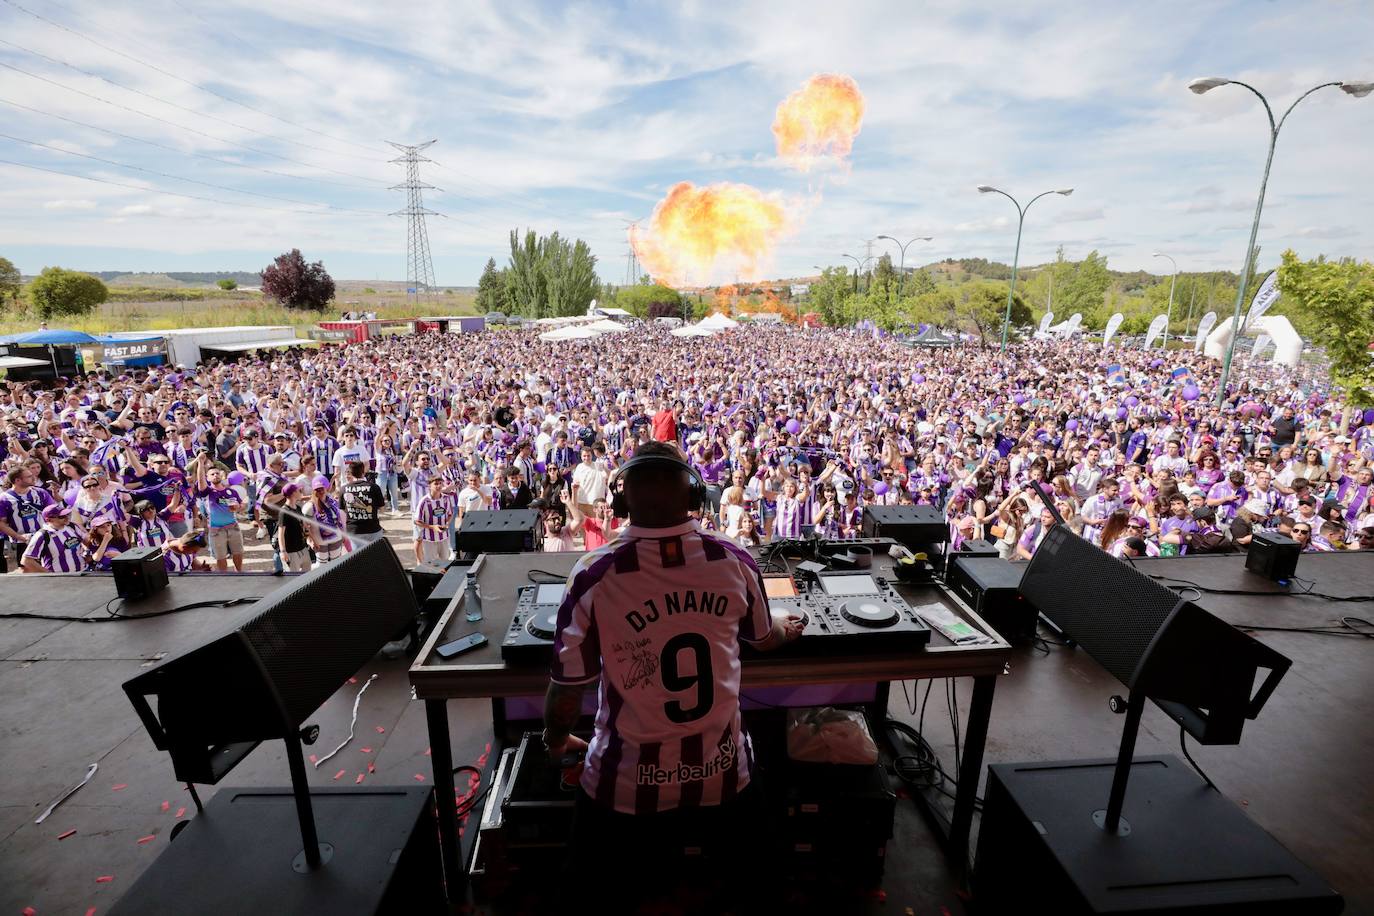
314, 759
63, 836
118, 786
372, 767
166, 806
419, 777
427, 750
358, 780
143, 841
181, 812
380, 730
366, 750
104, 879
353, 680
90, 912
338, 774
29, 911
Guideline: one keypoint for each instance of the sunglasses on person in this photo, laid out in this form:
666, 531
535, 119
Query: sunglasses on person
90, 486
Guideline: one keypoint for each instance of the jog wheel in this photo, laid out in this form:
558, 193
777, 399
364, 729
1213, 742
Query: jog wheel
543, 626
868, 612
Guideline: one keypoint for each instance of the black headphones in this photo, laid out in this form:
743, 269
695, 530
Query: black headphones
620, 506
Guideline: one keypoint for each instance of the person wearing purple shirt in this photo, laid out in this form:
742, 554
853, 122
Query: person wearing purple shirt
21, 508
57, 546
1175, 528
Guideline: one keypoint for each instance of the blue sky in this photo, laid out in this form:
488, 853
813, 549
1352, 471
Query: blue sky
578, 117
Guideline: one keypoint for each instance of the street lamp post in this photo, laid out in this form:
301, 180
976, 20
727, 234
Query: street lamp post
1172, 280
858, 268
901, 270
1199, 86
1016, 258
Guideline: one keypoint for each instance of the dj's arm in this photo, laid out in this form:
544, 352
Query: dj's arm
562, 708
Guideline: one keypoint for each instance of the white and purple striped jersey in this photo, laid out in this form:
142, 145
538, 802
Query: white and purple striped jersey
656, 617
431, 511
57, 551
156, 534
253, 458
25, 512
789, 519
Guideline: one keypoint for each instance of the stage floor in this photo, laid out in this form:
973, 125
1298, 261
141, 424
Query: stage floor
1301, 770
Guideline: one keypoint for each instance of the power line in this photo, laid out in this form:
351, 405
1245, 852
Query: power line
168, 73
419, 264
192, 130
201, 114
218, 187
146, 189
222, 30
182, 152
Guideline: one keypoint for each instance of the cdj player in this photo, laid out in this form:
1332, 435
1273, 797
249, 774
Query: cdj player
529, 640
843, 612
846, 611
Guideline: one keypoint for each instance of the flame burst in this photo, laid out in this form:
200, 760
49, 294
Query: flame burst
699, 233
819, 121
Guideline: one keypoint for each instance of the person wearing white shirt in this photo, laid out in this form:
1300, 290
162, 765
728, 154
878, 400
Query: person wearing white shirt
591, 480
474, 497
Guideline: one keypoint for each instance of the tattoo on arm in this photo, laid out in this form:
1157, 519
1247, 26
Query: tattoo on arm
562, 708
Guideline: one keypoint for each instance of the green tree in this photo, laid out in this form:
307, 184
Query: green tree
883, 280
550, 276
827, 295
1085, 291
982, 306
66, 292
10, 283
918, 282
1340, 295
227, 284
524, 279
569, 275
491, 289
642, 301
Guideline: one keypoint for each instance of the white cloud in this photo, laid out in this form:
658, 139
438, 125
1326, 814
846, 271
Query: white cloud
577, 117
70, 205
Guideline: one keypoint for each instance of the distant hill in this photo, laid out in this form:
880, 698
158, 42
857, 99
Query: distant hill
177, 279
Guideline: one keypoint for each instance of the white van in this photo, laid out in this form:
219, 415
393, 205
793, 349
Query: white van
668, 322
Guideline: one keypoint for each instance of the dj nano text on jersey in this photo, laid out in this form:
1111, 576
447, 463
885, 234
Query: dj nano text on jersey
678, 603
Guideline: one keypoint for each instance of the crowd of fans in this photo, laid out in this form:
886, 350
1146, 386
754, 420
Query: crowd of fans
795, 431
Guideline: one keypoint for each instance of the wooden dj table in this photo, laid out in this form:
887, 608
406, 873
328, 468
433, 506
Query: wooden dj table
483, 673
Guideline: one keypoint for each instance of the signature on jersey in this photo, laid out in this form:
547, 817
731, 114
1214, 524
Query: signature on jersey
643, 665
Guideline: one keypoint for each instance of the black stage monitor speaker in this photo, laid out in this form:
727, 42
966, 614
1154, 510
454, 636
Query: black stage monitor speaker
1191, 850
1196, 667
500, 531
1273, 555
991, 587
139, 572
910, 526
262, 678
980, 548
424, 579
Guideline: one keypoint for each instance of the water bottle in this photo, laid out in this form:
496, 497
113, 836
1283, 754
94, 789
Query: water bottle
472, 603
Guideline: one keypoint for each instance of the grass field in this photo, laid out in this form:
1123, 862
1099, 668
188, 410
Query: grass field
216, 308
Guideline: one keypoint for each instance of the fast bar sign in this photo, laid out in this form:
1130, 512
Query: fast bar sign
123, 352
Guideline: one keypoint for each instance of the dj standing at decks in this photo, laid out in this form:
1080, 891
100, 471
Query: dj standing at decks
656, 618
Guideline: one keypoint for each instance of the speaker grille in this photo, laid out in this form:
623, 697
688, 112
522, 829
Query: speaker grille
314, 632
1105, 605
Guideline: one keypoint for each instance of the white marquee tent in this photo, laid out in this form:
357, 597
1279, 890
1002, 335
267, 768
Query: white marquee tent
718, 321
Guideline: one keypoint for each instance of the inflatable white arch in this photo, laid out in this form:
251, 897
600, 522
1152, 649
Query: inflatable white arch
1287, 343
